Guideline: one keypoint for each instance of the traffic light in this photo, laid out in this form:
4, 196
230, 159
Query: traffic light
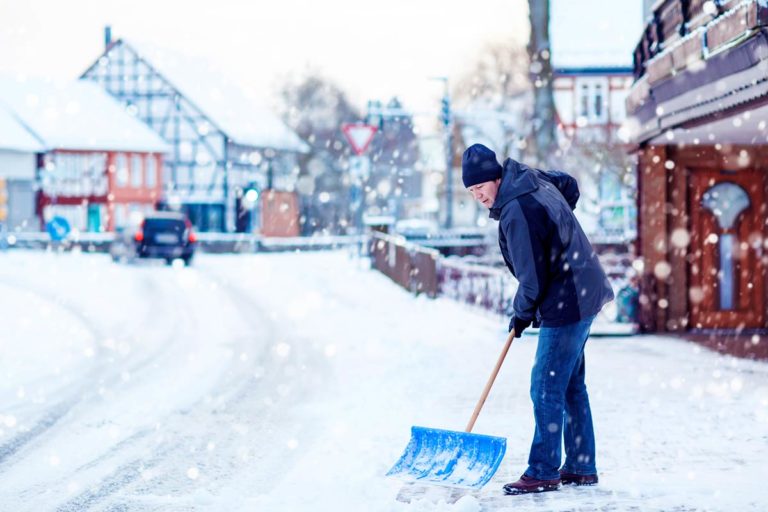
445, 110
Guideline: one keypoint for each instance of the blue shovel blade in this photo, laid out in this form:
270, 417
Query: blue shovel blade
446, 457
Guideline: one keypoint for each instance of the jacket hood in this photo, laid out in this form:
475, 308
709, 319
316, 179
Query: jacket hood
517, 179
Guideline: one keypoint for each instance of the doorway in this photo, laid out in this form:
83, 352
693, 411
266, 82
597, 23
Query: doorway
726, 269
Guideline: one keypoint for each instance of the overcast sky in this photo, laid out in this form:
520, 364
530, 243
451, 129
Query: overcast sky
374, 50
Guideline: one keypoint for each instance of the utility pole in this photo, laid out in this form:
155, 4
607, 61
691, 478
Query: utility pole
447, 118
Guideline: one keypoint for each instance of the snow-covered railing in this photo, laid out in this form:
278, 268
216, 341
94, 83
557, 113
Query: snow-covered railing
207, 242
423, 270
245, 242
311, 242
487, 287
410, 265
682, 33
92, 242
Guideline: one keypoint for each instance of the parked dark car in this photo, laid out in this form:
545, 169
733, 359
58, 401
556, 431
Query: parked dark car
163, 235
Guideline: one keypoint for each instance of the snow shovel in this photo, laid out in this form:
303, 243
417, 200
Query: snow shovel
457, 459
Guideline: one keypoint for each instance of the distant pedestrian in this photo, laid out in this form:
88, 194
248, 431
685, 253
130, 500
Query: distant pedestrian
561, 289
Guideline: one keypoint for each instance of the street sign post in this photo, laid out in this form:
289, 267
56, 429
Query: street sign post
58, 228
359, 137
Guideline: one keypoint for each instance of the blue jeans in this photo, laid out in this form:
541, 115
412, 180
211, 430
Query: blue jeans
561, 404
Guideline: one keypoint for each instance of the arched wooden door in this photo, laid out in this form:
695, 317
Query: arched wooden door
727, 269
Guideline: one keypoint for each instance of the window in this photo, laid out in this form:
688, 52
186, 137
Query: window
137, 170
151, 172
121, 216
121, 164
598, 101
584, 101
97, 163
726, 200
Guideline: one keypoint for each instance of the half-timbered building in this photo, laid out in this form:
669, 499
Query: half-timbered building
226, 150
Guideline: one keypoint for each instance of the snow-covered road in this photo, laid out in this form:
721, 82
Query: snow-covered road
289, 382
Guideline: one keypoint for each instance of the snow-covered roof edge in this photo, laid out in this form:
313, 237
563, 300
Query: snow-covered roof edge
76, 115
15, 135
232, 119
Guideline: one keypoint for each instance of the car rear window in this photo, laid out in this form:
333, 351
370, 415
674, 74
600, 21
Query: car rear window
163, 225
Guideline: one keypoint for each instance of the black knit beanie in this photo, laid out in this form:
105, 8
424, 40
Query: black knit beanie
478, 165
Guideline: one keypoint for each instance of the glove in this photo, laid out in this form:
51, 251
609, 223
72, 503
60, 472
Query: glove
518, 325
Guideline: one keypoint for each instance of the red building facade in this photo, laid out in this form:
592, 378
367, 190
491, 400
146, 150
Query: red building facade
96, 164
98, 190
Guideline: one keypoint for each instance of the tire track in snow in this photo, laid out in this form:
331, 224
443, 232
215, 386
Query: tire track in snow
57, 411
245, 404
184, 325
243, 399
121, 477
103, 373
306, 368
77, 391
118, 481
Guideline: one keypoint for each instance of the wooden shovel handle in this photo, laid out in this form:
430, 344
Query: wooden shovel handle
492, 378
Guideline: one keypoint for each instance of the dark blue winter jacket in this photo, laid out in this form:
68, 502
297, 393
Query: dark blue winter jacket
561, 280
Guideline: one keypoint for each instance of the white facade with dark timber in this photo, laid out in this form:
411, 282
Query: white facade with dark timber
223, 144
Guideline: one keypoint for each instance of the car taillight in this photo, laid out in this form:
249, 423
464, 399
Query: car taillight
192, 238
139, 236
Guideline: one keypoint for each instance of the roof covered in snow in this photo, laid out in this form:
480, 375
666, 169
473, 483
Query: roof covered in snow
76, 115
236, 111
14, 136
594, 33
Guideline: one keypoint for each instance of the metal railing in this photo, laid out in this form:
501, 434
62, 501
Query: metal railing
207, 242
489, 288
411, 266
679, 31
423, 270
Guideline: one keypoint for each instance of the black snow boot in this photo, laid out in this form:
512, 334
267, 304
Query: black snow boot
575, 479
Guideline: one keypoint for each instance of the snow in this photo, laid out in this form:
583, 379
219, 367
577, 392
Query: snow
14, 136
594, 33
229, 105
76, 115
289, 382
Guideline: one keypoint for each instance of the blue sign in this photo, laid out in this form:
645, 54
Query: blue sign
58, 228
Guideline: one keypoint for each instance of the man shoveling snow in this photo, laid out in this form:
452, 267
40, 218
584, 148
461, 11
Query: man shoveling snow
562, 289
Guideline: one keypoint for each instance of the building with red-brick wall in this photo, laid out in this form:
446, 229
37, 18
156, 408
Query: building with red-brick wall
698, 113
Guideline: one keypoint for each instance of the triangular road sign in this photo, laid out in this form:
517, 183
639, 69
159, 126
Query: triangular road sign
359, 136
